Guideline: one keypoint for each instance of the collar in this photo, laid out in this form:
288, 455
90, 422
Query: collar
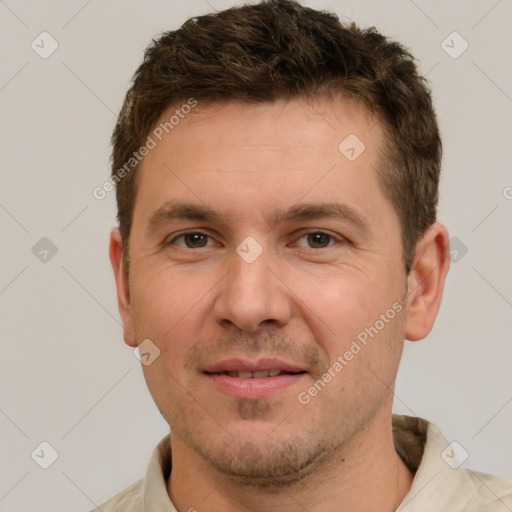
440, 483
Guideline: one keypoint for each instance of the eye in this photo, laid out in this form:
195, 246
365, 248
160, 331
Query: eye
318, 239
198, 240
192, 240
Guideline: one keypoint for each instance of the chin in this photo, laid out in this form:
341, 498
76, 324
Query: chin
252, 459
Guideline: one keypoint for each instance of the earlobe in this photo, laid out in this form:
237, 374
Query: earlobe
122, 286
426, 281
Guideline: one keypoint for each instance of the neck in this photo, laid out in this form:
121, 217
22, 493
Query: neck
366, 474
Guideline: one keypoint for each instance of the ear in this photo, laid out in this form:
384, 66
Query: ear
123, 287
426, 281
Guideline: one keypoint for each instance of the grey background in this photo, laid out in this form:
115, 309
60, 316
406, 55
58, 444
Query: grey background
66, 376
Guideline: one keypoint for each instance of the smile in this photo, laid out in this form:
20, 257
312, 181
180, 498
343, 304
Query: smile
257, 380
258, 374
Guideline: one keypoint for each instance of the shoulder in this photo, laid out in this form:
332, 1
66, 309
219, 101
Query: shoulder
442, 481
490, 493
128, 500
479, 491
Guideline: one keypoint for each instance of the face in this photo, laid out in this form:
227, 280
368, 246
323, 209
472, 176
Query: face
266, 266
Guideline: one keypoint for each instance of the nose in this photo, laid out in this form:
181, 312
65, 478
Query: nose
252, 295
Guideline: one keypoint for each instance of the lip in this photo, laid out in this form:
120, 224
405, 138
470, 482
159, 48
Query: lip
241, 365
253, 388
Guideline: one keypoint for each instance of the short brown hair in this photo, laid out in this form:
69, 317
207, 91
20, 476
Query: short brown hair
278, 49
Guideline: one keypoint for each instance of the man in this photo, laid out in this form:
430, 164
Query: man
277, 181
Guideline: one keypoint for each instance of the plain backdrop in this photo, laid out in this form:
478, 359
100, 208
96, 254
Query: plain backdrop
66, 376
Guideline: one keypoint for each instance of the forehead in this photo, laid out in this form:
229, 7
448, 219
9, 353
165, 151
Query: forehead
312, 124
242, 156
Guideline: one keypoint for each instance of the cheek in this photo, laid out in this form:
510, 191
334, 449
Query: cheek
169, 309
166, 306
344, 314
340, 306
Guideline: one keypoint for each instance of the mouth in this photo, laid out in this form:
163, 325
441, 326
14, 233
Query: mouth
253, 379
260, 374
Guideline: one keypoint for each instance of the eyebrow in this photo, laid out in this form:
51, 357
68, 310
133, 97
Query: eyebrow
172, 210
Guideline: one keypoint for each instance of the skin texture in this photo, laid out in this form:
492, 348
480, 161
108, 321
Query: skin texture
303, 300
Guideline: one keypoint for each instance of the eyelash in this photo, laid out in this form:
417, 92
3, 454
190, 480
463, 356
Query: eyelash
335, 238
